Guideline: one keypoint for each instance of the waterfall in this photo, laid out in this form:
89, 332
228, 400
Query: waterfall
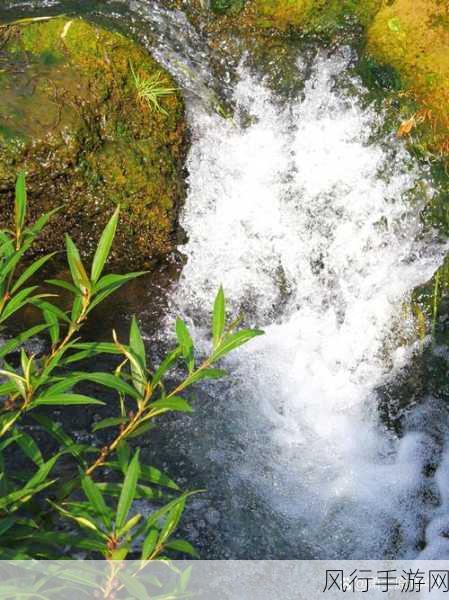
314, 230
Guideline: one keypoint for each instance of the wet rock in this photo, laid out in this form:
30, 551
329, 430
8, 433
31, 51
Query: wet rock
72, 117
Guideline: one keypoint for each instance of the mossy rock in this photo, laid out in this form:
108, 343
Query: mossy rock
71, 117
326, 17
413, 37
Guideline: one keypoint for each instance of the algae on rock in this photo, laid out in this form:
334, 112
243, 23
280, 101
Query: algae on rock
71, 118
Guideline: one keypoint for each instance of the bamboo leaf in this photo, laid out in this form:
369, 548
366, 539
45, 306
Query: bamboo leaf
128, 491
53, 326
64, 400
186, 343
149, 544
79, 275
116, 280
104, 246
109, 422
44, 305
176, 403
132, 522
136, 343
11, 345
182, 546
134, 587
29, 448
165, 365
172, 520
41, 475
65, 285
95, 497
151, 475
29, 271
234, 340
20, 203
219, 317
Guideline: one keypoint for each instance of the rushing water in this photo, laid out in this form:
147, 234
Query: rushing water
311, 221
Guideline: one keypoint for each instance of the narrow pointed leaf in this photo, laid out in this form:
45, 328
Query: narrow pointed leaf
219, 316
104, 247
29, 271
128, 491
235, 340
175, 403
20, 202
65, 400
136, 343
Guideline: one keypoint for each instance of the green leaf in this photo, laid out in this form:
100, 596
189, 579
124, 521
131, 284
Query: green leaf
186, 343
109, 422
14, 343
136, 343
176, 403
29, 271
64, 400
128, 491
134, 587
30, 448
116, 281
104, 246
172, 520
130, 524
144, 428
43, 305
17, 301
41, 222
142, 491
20, 203
123, 455
155, 517
234, 340
90, 349
58, 433
106, 379
219, 317
7, 421
165, 365
53, 326
79, 275
150, 474
119, 553
149, 543
182, 546
62, 284
41, 475
5, 524
205, 374
95, 497
84, 521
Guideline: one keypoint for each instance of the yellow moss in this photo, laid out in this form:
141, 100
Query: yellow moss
281, 13
413, 37
312, 15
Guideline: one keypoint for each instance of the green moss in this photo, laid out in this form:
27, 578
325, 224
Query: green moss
314, 16
223, 7
85, 140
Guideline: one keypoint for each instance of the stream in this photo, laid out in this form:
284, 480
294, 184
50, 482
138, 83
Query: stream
309, 215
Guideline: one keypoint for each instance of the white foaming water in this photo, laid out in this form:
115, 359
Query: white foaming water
313, 230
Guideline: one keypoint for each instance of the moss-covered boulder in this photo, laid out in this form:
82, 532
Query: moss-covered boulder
73, 116
413, 37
